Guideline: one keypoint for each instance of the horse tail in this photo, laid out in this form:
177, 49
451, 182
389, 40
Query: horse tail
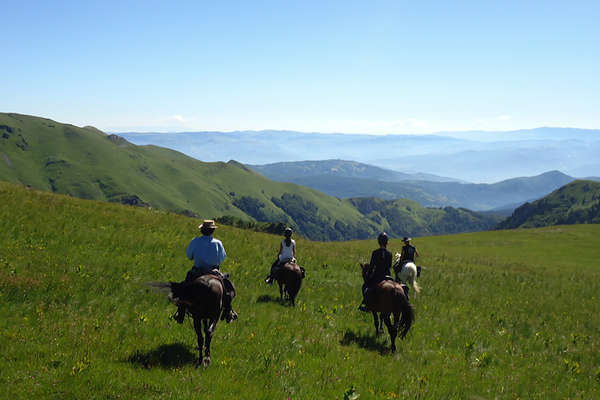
160, 286
164, 287
408, 313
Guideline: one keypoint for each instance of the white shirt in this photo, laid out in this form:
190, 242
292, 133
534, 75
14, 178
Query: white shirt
287, 252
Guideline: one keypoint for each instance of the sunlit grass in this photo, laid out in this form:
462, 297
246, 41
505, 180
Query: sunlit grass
506, 314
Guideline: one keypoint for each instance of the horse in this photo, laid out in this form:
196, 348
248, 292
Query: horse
407, 273
289, 277
203, 299
386, 298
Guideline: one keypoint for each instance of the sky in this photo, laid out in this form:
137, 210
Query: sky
378, 67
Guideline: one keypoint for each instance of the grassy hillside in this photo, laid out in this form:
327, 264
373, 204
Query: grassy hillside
575, 203
399, 217
86, 163
503, 314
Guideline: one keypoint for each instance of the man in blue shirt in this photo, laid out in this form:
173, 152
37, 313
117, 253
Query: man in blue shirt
208, 253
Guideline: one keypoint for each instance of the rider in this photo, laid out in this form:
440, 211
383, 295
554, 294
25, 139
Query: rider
208, 253
381, 262
287, 252
409, 252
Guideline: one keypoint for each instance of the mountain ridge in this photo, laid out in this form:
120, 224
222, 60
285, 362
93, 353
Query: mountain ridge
84, 163
479, 157
352, 179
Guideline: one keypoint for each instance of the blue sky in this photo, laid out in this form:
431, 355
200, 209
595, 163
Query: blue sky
327, 66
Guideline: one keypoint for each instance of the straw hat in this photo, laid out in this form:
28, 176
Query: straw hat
208, 223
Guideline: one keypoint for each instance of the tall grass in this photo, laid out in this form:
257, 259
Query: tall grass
504, 314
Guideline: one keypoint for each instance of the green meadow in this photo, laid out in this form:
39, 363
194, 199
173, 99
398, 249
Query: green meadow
501, 315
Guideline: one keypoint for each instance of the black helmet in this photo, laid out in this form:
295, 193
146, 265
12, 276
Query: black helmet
382, 238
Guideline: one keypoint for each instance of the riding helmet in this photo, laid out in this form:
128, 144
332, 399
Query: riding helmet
382, 238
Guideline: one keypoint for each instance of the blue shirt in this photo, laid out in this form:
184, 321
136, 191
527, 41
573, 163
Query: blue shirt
206, 251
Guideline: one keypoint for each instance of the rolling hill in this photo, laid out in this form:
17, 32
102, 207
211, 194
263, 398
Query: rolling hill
86, 163
575, 203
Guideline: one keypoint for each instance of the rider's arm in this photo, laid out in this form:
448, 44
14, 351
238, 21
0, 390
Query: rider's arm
222, 254
294, 250
190, 251
280, 249
372, 262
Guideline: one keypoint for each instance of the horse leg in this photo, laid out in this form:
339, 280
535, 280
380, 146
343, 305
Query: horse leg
392, 329
377, 323
414, 284
209, 329
280, 291
198, 329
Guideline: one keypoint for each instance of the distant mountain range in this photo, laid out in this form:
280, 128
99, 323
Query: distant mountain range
346, 179
283, 171
87, 163
575, 203
480, 157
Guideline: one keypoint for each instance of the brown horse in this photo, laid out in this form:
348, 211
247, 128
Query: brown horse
203, 299
289, 277
387, 297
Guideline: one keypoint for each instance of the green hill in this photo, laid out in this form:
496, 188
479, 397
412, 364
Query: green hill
399, 217
86, 163
575, 203
501, 314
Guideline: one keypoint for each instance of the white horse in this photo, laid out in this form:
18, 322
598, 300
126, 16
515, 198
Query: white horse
406, 273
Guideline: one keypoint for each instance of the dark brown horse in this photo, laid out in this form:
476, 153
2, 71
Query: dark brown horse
387, 298
203, 299
289, 277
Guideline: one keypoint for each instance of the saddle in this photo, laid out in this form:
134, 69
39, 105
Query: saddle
291, 261
223, 278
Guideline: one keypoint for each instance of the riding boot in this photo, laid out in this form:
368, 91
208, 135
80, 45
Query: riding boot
179, 315
228, 313
272, 274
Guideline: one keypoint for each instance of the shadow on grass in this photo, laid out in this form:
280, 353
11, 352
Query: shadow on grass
266, 298
366, 341
165, 356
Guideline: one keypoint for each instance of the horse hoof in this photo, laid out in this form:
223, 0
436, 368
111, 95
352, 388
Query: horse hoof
206, 362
